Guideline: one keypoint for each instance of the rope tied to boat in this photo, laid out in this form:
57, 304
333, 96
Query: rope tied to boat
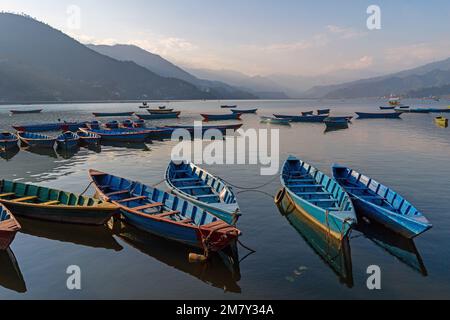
87, 188
249, 188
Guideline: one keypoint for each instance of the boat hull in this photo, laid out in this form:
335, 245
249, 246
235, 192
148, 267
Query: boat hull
112, 114
224, 117
252, 111
173, 115
26, 111
8, 228
306, 119
393, 115
37, 141
121, 135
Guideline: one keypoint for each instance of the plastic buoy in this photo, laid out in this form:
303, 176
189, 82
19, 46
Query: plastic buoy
197, 258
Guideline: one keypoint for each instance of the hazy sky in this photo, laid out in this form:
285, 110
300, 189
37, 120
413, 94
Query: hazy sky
261, 36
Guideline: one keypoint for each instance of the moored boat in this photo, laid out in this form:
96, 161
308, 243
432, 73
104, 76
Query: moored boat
89, 138
222, 128
160, 111
441, 121
120, 135
96, 125
8, 227
8, 141
221, 117
414, 110
243, 111
323, 112
139, 123
380, 203
44, 127
36, 140
53, 205
128, 123
112, 124
336, 122
68, 140
308, 113
309, 119
196, 185
387, 108
272, 120
164, 215
229, 107
26, 111
383, 115
161, 116
112, 114
318, 197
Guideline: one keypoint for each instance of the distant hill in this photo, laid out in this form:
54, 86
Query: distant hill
39, 63
165, 68
433, 75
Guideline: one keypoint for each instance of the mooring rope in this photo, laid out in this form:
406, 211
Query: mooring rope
87, 188
249, 188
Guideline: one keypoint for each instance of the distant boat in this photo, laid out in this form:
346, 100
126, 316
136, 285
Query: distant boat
414, 110
220, 117
308, 119
128, 123
395, 101
229, 107
8, 227
119, 135
250, 111
96, 125
171, 115
26, 111
323, 112
144, 105
43, 203
308, 113
68, 140
160, 111
441, 122
36, 140
8, 141
382, 204
113, 124
163, 214
112, 114
390, 115
271, 120
439, 110
139, 123
319, 197
341, 123
89, 138
222, 128
199, 187
44, 127
387, 108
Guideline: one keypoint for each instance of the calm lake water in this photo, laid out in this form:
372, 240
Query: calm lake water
410, 155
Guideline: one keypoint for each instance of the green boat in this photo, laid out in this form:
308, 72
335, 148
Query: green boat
53, 205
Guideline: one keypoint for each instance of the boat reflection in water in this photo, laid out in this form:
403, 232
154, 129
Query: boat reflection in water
400, 247
42, 152
68, 154
100, 237
126, 145
220, 271
11, 277
9, 154
336, 253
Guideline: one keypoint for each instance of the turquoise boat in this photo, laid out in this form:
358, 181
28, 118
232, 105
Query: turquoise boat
8, 141
164, 215
381, 204
318, 197
201, 188
120, 135
271, 120
36, 140
68, 140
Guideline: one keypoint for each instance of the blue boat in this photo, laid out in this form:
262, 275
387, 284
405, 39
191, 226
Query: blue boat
308, 119
112, 124
163, 214
385, 115
139, 123
119, 135
95, 125
44, 127
112, 114
221, 117
381, 204
162, 116
199, 187
307, 113
68, 140
387, 108
414, 110
323, 112
221, 128
8, 141
271, 120
89, 138
128, 123
36, 140
318, 197
341, 123
250, 111
439, 110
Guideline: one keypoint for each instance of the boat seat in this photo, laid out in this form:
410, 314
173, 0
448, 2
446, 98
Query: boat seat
186, 221
186, 180
117, 193
7, 194
149, 206
323, 200
380, 198
167, 214
25, 199
306, 186
50, 203
314, 194
207, 196
356, 188
194, 187
301, 180
131, 199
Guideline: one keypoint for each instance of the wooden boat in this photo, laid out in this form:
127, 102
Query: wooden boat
380, 203
96, 125
441, 121
8, 228
403, 107
53, 205
120, 135
242, 111
128, 123
44, 127
439, 110
26, 111
171, 115
387, 108
89, 138
160, 111
221, 128
386, 115
307, 113
112, 125
8, 141
309, 119
336, 122
68, 140
36, 140
112, 114
144, 105
228, 107
414, 110
395, 102
318, 197
271, 120
323, 112
199, 187
165, 215
221, 117
139, 123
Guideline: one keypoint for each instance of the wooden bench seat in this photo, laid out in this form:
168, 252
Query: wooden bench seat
50, 203
149, 206
7, 194
194, 188
167, 214
24, 199
131, 199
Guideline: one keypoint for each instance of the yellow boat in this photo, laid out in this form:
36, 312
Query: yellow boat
441, 122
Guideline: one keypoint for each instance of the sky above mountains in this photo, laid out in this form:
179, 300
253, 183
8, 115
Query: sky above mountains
259, 37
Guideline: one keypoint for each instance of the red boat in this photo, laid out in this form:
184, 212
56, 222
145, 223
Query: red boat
8, 227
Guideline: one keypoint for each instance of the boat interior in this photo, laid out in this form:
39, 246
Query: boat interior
315, 187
